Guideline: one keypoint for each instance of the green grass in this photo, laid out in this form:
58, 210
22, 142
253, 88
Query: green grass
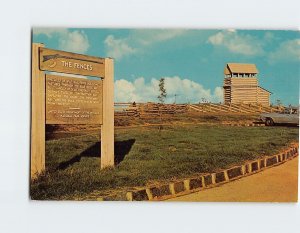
165, 119
146, 154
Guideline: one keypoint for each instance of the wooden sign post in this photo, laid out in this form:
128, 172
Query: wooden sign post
38, 124
68, 100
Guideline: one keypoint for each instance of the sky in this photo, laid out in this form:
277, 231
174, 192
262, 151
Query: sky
191, 61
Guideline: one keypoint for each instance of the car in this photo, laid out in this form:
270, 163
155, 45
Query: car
288, 116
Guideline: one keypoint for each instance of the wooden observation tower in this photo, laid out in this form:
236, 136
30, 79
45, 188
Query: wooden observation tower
241, 85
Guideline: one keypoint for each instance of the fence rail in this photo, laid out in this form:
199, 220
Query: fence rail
146, 110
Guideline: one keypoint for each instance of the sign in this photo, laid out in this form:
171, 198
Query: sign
71, 63
73, 100
69, 100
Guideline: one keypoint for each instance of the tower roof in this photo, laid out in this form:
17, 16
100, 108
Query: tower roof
240, 68
264, 89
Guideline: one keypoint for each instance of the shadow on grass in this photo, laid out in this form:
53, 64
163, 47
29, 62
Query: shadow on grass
122, 148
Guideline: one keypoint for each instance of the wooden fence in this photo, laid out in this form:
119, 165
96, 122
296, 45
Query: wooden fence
233, 108
149, 110
145, 110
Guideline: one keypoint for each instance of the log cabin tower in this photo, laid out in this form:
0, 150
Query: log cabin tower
241, 85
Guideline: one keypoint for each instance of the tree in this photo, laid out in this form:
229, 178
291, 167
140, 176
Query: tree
163, 93
278, 102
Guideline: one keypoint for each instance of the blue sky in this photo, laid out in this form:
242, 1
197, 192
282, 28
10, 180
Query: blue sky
191, 61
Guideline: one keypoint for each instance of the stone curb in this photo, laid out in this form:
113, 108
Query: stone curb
186, 186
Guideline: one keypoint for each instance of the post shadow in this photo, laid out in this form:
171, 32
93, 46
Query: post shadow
122, 148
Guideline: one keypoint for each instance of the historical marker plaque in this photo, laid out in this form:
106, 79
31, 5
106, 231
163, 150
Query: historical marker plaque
60, 99
73, 100
71, 63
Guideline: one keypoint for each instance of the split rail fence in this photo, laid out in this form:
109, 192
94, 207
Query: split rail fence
149, 110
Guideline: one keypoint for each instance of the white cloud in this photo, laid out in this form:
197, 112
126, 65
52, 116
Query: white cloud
137, 41
216, 39
287, 51
186, 91
117, 48
148, 37
76, 41
237, 43
231, 30
269, 36
218, 94
71, 41
50, 32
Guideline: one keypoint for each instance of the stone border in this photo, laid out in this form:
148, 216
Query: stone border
203, 181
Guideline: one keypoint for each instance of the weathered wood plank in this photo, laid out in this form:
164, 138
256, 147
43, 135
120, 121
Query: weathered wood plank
71, 63
37, 147
107, 129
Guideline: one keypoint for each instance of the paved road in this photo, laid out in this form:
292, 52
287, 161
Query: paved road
277, 184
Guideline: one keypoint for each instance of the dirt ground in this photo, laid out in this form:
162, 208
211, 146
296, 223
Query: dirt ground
277, 184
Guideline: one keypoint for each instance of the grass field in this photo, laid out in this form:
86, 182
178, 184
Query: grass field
147, 154
176, 119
